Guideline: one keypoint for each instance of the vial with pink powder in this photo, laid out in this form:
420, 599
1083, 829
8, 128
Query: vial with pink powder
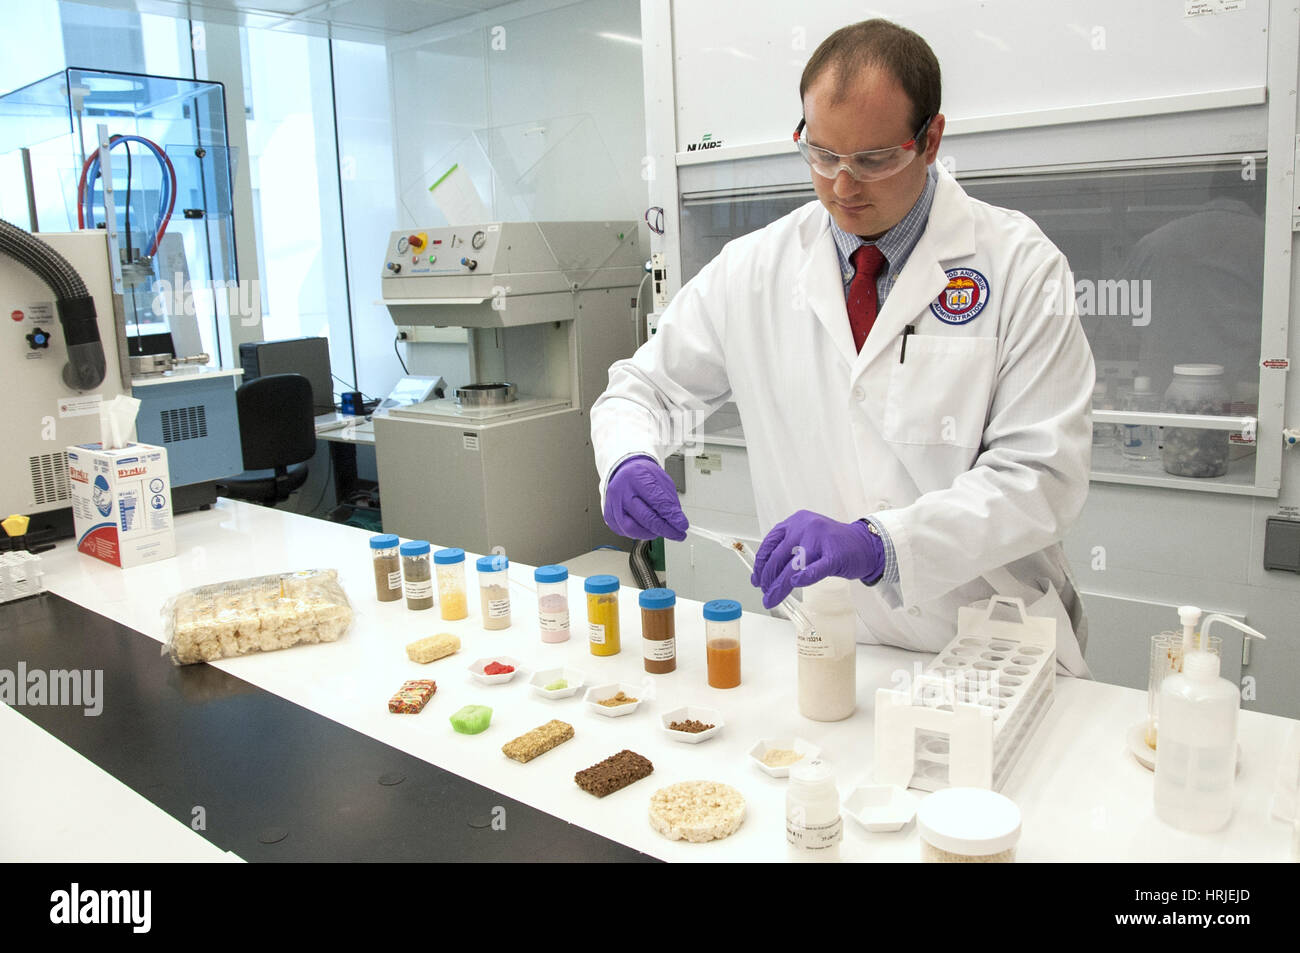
553, 602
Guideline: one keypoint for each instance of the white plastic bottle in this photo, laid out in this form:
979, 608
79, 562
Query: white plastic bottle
813, 826
828, 654
1196, 759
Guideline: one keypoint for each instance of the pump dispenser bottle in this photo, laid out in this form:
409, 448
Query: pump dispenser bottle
1196, 758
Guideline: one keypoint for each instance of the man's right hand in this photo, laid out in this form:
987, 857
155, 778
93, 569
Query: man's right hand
641, 501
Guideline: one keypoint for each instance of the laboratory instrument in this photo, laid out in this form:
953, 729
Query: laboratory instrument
546, 308
117, 154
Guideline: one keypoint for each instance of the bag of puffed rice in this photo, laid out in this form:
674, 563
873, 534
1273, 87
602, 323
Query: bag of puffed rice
260, 614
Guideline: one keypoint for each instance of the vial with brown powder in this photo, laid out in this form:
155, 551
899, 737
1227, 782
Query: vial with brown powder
417, 575
388, 567
494, 591
658, 630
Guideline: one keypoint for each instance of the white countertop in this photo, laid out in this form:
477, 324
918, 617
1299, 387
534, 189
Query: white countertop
56, 805
345, 428
1083, 797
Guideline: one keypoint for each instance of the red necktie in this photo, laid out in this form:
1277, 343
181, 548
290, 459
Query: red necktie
861, 303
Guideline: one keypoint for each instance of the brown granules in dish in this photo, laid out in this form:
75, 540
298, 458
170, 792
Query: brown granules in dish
689, 725
619, 699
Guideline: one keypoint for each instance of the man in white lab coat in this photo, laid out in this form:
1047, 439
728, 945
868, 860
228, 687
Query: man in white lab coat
908, 365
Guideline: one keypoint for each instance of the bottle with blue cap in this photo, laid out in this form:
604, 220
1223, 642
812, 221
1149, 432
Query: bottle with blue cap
602, 614
722, 642
417, 578
552, 602
658, 630
388, 567
450, 564
494, 590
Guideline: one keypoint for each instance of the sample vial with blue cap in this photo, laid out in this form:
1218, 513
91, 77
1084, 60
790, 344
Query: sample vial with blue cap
658, 630
388, 567
552, 602
722, 642
417, 578
602, 614
494, 590
450, 564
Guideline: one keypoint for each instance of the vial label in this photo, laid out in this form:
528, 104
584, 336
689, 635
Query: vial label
659, 650
814, 837
498, 608
419, 590
554, 621
596, 633
812, 645
395, 580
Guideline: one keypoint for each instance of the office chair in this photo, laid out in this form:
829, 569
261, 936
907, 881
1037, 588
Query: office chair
277, 430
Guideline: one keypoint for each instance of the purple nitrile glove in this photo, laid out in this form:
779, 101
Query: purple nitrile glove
807, 547
641, 501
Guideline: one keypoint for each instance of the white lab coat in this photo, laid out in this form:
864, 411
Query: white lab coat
973, 453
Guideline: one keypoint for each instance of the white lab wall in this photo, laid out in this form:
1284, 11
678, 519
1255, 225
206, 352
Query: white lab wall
737, 77
541, 103
1028, 78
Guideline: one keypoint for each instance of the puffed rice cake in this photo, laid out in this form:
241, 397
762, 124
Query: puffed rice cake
697, 811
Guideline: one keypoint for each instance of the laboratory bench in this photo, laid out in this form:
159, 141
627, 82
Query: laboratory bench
293, 755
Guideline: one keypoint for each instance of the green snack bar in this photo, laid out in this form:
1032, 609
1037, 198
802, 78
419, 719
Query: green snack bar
556, 685
472, 719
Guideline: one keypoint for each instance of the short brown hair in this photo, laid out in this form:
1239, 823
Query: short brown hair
879, 43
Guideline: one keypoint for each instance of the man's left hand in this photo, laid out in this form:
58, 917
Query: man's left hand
807, 547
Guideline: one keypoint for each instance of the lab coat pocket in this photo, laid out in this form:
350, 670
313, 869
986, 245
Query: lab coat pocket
939, 393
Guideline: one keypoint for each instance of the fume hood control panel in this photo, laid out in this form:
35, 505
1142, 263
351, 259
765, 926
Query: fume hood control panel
451, 250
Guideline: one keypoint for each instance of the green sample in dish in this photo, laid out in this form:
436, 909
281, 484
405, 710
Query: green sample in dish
556, 685
472, 719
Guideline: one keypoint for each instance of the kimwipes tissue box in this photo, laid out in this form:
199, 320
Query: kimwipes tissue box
122, 503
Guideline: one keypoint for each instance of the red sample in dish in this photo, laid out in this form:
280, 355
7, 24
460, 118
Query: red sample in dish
496, 668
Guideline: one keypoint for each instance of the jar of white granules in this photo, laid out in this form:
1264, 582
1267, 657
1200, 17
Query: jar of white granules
968, 826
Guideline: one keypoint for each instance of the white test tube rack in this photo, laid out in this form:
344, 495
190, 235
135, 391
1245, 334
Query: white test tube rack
968, 718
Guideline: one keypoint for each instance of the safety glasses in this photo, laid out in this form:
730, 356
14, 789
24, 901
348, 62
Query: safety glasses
862, 166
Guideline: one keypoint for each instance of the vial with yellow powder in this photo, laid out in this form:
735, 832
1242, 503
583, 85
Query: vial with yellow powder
602, 614
450, 565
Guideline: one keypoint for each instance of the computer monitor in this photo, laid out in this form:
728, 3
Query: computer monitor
309, 357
